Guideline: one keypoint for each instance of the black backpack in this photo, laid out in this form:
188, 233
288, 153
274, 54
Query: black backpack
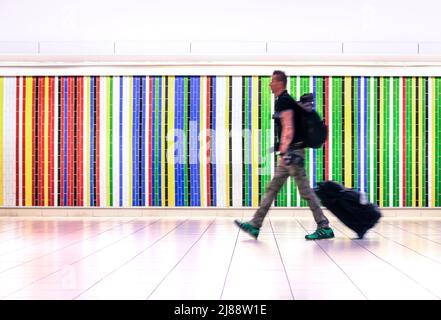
313, 129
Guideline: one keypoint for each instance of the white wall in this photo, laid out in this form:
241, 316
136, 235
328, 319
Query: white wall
200, 20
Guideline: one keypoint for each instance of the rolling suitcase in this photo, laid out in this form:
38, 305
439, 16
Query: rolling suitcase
349, 206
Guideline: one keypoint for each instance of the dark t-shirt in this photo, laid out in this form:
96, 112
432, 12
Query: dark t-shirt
283, 103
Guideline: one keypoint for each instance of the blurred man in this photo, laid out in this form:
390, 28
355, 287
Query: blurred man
290, 163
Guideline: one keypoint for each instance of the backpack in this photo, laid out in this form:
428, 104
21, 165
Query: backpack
313, 128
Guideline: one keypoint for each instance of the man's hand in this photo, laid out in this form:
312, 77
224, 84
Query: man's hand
282, 161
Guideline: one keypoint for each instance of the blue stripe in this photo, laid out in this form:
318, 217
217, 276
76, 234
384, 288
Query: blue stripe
120, 140
138, 133
152, 164
178, 145
143, 147
92, 145
198, 144
160, 124
194, 143
182, 140
65, 142
190, 139
214, 143
134, 144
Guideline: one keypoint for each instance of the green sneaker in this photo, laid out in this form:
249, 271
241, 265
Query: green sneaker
248, 228
320, 233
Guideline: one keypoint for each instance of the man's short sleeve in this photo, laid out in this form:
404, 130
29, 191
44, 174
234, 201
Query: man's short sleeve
285, 103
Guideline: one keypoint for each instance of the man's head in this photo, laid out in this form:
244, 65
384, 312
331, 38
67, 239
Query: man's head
278, 82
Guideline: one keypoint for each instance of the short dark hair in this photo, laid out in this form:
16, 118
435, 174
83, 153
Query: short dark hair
281, 76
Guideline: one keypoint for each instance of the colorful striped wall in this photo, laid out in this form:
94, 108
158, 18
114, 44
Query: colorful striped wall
126, 141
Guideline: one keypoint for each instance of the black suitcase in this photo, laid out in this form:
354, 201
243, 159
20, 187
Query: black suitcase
348, 205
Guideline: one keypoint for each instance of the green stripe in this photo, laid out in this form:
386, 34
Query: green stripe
368, 137
375, 134
293, 195
355, 108
319, 109
396, 141
423, 141
111, 142
265, 135
305, 88
408, 142
436, 135
386, 138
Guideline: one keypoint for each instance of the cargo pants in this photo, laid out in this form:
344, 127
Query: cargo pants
281, 174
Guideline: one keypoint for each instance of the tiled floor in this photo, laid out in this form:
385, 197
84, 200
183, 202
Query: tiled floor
172, 258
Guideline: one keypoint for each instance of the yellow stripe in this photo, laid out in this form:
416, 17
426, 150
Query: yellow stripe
432, 139
254, 142
171, 143
130, 139
202, 138
348, 137
163, 142
28, 142
1, 140
108, 141
420, 149
87, 146
413, 142
381, 140
227, 142
46, 141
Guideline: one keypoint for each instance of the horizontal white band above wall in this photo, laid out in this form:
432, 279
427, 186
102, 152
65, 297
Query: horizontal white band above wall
140, 48
18, 47
380, 48
429, 48
228, 47
296, 48
222, 70
77, 48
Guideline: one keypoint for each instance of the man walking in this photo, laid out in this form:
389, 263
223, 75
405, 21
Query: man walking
290, 163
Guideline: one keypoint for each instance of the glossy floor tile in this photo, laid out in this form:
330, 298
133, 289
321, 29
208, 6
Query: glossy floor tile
209, 258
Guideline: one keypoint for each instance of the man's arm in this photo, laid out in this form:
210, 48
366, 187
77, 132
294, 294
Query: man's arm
286, 119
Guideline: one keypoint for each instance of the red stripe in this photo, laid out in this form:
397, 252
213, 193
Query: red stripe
68, 149
72, 144
97, 93
69, 141
404, 141
23, 195
17, 132
41, 145
150, 197
80, 142
33, 142
51, 143
61, 177
328, 115
207, 142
